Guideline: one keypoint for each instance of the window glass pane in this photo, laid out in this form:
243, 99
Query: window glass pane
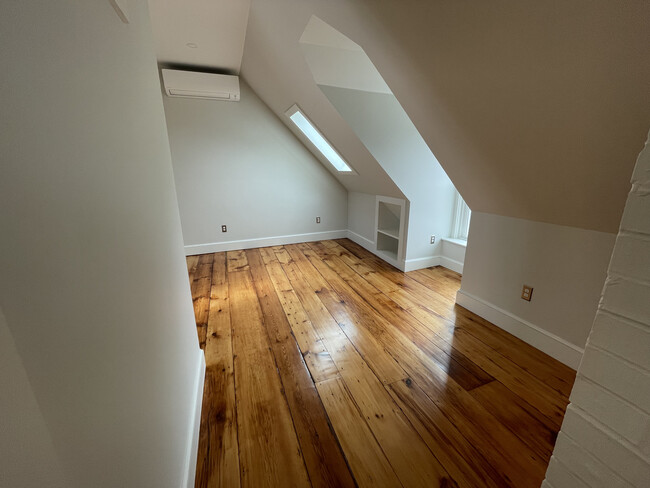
319, 141
462, 213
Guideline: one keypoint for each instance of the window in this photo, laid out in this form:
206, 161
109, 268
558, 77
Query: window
462, 213
317, 139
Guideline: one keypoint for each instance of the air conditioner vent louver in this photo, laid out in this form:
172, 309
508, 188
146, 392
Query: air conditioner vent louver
191, 84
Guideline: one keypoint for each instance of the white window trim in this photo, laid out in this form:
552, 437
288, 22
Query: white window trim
314, 149
461, 218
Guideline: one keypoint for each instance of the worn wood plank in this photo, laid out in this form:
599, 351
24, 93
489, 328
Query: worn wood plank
515, 414
542, 366
192, 264
201, 295
548, 370
459, 456
436, 279
367, 460
456, 365
303, 330
283, 256
219, 336
505, 452
511, 454
545, 400
302, 344
218, 454
311, 346
448, 336
268, 255
409, 456
435, 288
269, 451
323, 457
354, 248
362, 339
236, 261
218, 451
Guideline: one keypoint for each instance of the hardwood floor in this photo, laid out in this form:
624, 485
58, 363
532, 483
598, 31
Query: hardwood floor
327, 367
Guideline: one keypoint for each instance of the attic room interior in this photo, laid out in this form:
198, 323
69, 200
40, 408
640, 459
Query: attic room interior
324, 243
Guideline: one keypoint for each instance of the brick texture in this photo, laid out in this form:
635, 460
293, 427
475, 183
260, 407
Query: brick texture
605, 436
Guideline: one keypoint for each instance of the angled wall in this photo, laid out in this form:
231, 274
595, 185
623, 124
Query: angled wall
274, 66
565, 266
26, 449
93, 280
535, 110
381, 124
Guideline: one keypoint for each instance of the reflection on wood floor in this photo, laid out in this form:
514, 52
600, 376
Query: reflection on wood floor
328, 367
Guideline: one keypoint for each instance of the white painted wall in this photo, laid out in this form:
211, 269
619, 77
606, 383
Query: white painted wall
565, 265
278, 27
334, 60
453, 254
383, 126
489, 87
361, 215
27, 455
93, 283
236, 164
605, 437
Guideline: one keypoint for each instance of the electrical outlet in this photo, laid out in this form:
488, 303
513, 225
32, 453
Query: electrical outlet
527, 293
433, 239
318, 220
224, 228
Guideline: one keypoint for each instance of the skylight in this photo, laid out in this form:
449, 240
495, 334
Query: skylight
317, 139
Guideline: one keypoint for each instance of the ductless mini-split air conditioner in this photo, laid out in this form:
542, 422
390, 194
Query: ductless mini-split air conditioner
190, 84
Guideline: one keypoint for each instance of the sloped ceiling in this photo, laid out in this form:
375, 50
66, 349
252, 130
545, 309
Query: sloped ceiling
334, 60
535, 110
275, 68
200, 33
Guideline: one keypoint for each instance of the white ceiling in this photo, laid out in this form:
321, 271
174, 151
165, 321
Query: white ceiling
219, 29
334, 60
216, 27
322, 34
535, 110
275, 67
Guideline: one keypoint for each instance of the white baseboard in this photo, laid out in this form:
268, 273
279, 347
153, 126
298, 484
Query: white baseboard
420, 263
410, 264
193, 441
263, 242
452, 264
554, 346
399, 264
367, 244
371, 246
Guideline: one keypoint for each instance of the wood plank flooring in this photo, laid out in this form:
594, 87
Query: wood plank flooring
327, 367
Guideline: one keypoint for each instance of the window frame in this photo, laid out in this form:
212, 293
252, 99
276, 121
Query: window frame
313, 147
461, 218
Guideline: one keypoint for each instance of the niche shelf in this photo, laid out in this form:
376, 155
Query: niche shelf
390, 228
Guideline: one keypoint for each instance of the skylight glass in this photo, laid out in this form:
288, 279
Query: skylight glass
319, 141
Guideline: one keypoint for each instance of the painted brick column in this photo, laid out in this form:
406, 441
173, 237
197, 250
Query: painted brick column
605, 436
